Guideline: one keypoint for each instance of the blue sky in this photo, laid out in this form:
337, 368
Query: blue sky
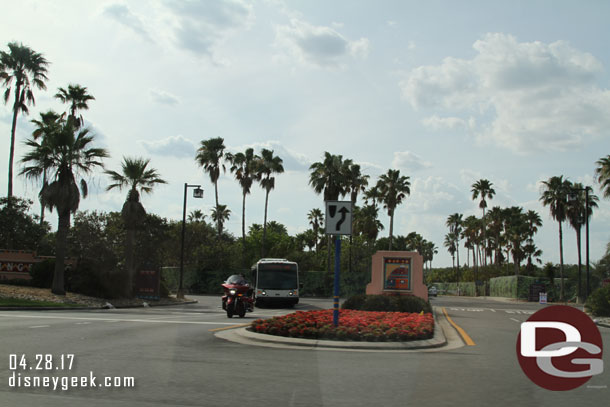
447, 92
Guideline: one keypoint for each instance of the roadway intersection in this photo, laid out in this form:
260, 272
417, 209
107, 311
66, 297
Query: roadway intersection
175, 359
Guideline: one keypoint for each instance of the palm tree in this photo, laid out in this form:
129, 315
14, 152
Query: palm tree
316, 220
77, 97
366, 222
209, 156
602, 174
243, 165
266, 166
450, 244
393, 188
554, 195
328, 178
356, 182
49, 122
69, 155
454, 223
196, 216
575, 214
28, 69
483, 188
220, 215
135, 175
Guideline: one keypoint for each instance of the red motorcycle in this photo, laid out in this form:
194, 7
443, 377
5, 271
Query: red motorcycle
238, 296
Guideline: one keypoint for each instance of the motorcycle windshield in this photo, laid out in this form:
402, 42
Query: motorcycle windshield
277, 279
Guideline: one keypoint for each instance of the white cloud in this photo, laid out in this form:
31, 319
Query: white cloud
409, 161
173, 146
318, 45
453, 123
123, 15
164, 98
525, 96
199, 26
292, 161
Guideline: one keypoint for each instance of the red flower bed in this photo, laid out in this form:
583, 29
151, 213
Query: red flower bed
353, 325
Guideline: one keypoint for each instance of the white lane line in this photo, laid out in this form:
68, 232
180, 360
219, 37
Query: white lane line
83, 323
118, 319
514, 319
40, 326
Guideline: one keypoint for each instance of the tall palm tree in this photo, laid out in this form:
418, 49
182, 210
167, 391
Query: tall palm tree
356, 182
483, 188
243, 165
450, 244
366, 222
196, 216
393, 189
49, 122
28, 69
220, 215
267, 165
135, 175
316, 220
554, 195
327, 177
454, 223
575, 214
71, 156
602, 174
77, 98
209, 156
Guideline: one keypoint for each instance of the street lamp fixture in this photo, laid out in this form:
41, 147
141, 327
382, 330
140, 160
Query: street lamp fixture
197, 193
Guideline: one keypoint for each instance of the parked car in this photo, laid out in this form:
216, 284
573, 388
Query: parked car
432, 290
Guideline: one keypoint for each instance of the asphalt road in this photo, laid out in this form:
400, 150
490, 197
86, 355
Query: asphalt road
175, 360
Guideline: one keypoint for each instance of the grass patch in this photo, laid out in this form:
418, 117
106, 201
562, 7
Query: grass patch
19, 302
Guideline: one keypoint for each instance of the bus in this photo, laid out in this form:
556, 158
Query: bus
276, 281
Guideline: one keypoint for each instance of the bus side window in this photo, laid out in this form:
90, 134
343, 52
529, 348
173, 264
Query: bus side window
254, 277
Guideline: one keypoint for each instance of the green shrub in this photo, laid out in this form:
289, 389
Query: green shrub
388, 303
42, 273
599, 302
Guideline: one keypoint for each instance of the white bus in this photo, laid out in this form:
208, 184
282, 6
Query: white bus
276, 281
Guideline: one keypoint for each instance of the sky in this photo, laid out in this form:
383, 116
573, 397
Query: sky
446, 92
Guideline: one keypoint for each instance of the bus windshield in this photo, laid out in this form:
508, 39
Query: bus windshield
277, 279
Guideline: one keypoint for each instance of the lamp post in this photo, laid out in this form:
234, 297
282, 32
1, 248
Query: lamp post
197, 193
572, 197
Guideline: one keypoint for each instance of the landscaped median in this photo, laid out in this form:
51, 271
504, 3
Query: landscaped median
372, 326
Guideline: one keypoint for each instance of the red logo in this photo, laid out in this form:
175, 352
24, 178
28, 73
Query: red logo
560, 348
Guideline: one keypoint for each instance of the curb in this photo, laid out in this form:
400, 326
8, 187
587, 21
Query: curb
253, 338
93, 308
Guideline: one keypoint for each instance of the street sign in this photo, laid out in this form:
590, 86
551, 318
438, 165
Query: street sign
338, 217
542, 298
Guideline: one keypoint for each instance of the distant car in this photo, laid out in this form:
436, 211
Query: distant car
432, 290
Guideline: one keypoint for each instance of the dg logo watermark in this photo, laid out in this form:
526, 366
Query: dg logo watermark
560, 348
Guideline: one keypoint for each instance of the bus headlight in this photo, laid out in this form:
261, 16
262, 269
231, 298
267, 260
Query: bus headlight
264, 292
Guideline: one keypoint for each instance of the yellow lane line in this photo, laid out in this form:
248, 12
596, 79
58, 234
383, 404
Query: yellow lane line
467, 339
228, 327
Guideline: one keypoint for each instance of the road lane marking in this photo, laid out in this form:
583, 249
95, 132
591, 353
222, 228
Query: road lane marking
516, 320
467, 339
116, 319
40, 326
228, 327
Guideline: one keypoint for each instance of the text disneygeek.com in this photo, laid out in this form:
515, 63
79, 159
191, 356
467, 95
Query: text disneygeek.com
46, 363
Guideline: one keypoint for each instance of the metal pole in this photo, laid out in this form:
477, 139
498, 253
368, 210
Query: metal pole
180, 290
587, 238
336, 294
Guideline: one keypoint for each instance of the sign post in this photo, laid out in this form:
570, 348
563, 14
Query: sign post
338, 222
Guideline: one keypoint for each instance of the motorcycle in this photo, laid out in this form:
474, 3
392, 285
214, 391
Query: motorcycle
237, 298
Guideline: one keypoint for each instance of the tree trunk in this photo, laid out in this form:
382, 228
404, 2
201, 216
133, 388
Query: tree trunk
44, 181
579, 295
457, 252
61, 241
12, 148
129, 261
391, 228
217, 214
561, 295
243, 229
265, 225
